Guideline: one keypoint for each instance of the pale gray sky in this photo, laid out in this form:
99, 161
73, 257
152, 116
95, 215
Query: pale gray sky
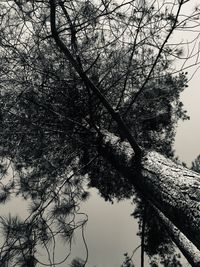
111, 231
187, 143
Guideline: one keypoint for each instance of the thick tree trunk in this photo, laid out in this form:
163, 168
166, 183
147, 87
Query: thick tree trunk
175, 190
170, 187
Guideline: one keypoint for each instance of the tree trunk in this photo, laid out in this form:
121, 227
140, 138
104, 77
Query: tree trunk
190, 251
143, 235
170, 187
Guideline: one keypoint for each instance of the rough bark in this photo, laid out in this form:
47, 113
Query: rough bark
172, 188
175, 190
189, 250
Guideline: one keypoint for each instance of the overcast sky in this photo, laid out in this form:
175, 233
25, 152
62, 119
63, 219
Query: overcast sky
187, 143
111, 231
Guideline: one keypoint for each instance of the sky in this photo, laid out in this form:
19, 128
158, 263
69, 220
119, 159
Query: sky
187, 142
111, 231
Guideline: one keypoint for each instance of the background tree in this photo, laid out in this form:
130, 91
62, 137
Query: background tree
77, 263
196, 164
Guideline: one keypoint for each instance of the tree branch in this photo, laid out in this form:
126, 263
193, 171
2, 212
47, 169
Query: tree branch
89, 84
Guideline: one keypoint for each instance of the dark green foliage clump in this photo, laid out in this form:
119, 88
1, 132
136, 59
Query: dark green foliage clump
157, 111
111, 184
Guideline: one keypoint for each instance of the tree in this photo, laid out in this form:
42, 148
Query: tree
77, 263
81, 83
127, 261
196, 164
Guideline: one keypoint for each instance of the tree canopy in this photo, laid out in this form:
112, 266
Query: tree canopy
71, 73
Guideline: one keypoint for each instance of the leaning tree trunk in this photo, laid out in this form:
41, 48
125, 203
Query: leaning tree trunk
170, 187
189, 250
